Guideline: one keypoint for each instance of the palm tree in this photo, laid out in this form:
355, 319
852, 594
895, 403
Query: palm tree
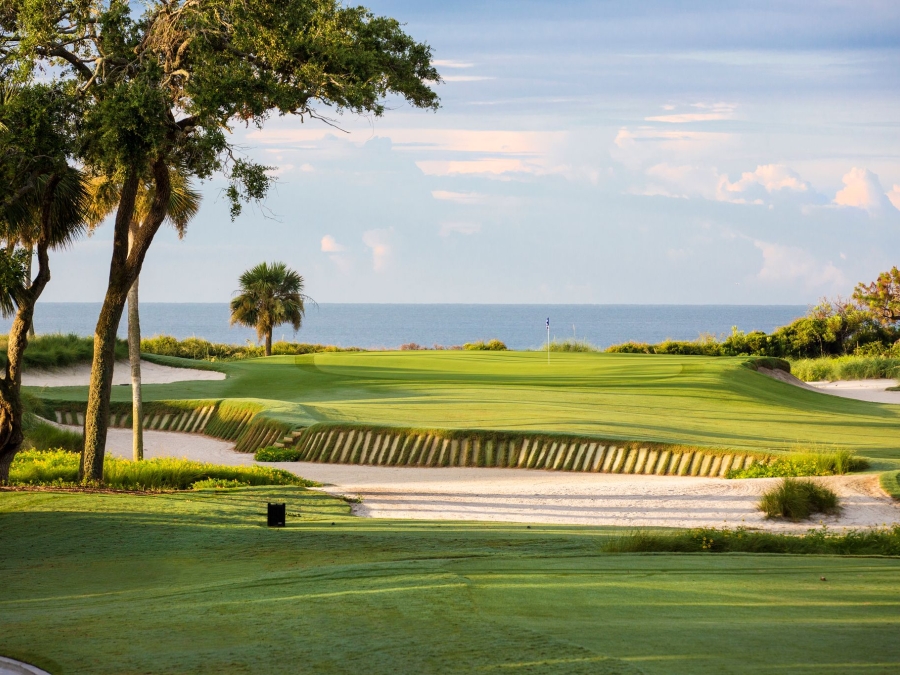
184, 202
271, 294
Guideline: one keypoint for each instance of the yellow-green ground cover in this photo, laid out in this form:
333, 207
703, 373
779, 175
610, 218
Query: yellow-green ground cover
194, 583
693, 400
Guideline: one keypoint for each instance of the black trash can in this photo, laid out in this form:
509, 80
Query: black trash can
276, 515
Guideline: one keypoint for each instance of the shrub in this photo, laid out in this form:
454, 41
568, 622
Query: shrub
572, 345
273, 454
809, 463
885, 541
56, 350
60, 468
203, 350
481, 345
798, 500
846, 368
218, 484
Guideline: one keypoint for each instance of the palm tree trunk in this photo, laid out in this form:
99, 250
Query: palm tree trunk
134, 356
269, 342
125, 267
28, 283
11, 435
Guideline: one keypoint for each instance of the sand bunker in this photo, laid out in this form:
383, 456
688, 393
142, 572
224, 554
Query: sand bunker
519, 495
151, 373
874, 391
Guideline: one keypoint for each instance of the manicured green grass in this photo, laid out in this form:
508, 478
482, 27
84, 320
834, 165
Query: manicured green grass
692, 400
194, 583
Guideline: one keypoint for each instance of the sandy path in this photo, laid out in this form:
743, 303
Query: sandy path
518, 495
151, 373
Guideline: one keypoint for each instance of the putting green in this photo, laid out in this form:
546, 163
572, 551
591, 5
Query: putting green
194, 583
673, 399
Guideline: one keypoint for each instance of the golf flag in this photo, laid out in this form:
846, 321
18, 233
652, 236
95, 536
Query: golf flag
548, 323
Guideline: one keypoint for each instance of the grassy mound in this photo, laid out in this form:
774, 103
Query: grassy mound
56, 350
60, 469
199, 349
798, 500
682, 400
846, 368
890, 483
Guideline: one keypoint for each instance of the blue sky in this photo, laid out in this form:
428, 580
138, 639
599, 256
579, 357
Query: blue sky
586, 152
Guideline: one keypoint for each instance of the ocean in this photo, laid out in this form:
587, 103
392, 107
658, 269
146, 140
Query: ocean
391, 325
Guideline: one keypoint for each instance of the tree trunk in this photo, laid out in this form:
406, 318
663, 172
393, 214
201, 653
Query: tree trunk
28, 283
134, 356
269, 342
124, 269
11, 412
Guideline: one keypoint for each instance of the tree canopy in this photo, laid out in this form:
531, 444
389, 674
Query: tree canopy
882, 297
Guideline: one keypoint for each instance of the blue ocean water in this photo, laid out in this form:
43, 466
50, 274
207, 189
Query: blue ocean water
389, 325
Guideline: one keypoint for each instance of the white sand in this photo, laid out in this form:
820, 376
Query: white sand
518, 495
874, 391
12, 667
151, 373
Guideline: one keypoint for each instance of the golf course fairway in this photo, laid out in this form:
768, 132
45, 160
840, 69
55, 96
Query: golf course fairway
195, 583
693, 400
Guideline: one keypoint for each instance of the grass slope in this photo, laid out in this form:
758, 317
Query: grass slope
713, 401
194, 583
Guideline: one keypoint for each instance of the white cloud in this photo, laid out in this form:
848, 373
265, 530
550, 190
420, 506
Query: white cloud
459, 228
330, 245
379, 242
790, 264
644, 146
712, 112
863, 190
682, 181
450, 63
458, 197
467, 78
772, 177
894, 196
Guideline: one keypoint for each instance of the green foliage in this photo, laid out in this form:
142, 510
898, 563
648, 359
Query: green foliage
55, 350
572, 345
13, 266
60, 468
831, 328
481, 345
798, 500
273, 454
199, 349
884, 541
846, 368
890, 483
882, 297
815, 463
40, 435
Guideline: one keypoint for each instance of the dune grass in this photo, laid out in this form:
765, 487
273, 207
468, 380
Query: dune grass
846, 368
798, 500
56, 350
193, 582
823, 462
273, 454
60, 469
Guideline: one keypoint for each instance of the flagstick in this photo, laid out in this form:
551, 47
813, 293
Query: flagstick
548, 341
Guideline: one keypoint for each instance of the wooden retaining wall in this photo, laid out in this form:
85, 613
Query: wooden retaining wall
387, 447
